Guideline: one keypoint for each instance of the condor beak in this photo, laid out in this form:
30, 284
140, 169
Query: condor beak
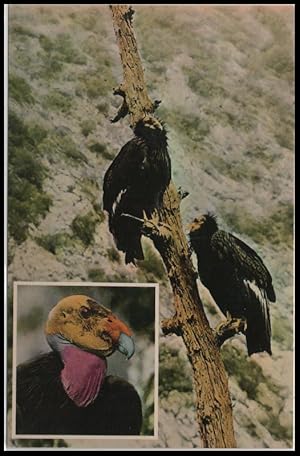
126, 345
194, 226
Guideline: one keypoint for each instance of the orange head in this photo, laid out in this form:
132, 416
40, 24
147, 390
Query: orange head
90, 326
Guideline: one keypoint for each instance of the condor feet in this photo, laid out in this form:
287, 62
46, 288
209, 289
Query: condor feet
229, 328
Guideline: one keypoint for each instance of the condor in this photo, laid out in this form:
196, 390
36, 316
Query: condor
237, 279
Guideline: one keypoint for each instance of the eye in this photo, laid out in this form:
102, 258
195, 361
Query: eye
64, 314
86, 312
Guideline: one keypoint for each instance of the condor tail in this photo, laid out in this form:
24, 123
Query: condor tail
258, 332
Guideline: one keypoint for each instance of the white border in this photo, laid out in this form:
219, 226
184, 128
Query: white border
14, 435
5, 214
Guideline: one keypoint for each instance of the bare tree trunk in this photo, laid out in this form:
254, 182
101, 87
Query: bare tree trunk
214, 411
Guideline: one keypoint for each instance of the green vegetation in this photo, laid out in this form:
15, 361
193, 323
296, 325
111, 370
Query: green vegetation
278, 431
152, 265
87, 127
50, 67
282, 332
90, 187
58, 101
62, 49
27, 202
173, 372
202, 78
46, 43
95, 86
55, 242
84, 226
148, 407
62, 145
20, 30
275, 229
98, 53
155, 47
102, 107
9, 342
247, 373
55, 53
97, 275
191, 126
113, 255
101, 149
87, 20
100, 80
19, 89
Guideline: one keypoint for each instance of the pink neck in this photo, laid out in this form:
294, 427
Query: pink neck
83, 375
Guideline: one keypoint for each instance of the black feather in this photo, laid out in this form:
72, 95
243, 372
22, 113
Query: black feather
237, 279
135, 182
43, 407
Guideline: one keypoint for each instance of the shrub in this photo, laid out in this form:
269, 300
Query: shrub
247, 373
282, 332
58, 101
19, 89
50, 66
276, 229
84, 226
113, 255
67, 53
173, 372
102, 107
63, 145
152, 266
53, 242
101, 149
148, 412
97, 275
27, 202
19, 29
87, 127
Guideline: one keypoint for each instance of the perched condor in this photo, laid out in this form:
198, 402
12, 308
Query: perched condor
135, 183
237, 279
67, 391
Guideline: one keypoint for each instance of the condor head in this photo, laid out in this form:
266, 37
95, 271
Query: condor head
81, 321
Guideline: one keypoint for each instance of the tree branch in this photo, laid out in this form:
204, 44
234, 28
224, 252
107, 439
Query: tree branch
229, 328
133, 88
214, 411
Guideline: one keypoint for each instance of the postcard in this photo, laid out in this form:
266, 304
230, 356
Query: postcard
150, 226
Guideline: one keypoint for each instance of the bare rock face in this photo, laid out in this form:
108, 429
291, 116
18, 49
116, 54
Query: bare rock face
225, 76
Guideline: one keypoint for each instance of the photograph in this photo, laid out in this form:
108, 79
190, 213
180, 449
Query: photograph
85, 360
149, 226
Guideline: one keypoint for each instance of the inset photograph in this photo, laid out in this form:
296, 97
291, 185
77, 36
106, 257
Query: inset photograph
85, 360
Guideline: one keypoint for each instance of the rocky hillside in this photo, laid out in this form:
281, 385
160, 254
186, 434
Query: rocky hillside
225, 78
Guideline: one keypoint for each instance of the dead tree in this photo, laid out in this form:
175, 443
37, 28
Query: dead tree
213, 404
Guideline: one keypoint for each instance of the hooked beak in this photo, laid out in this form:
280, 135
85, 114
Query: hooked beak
194, 226
126, 345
